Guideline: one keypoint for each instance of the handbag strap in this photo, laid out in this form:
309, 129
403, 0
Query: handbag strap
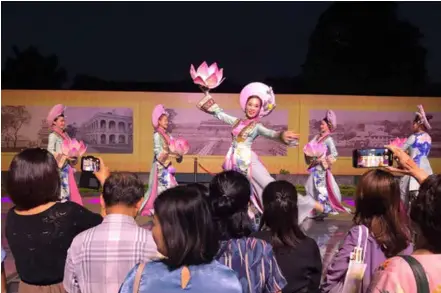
419, 274
362, 228
138, 277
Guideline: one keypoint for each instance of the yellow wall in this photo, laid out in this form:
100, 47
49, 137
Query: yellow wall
142, 104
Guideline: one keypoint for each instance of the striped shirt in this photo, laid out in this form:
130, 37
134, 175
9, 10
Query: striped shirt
100, 258
254, 263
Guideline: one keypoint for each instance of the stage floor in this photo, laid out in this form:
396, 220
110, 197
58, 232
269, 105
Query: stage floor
328, 235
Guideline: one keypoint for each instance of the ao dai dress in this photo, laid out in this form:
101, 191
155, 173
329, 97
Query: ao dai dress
240, 156
418, 145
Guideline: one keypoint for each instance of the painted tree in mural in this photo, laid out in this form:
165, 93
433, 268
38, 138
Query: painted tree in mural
72, 130
13, 118
364, 48
171, 125
29, 69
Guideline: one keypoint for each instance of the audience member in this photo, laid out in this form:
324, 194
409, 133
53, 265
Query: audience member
396, 274
297, 255
379, 214
251, 258
39, 229
184, 233
100, 258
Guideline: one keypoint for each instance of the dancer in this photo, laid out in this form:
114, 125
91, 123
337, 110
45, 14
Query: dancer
162, 173
418, 145
57, 124
321, 184
257, 100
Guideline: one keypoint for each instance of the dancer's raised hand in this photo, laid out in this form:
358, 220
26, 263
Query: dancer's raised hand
288, 136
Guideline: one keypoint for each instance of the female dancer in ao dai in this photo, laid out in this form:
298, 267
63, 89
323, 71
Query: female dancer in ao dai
257, 100
418, 145
162, 173
57, 124
321, 184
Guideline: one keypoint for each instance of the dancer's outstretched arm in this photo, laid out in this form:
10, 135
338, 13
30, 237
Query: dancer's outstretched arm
286, 137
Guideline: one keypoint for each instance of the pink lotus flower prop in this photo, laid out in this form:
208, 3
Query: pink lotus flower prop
73, 148
207, 77
179, 146
314, 149
398, 142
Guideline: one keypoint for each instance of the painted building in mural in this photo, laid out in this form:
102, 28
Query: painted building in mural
107, 129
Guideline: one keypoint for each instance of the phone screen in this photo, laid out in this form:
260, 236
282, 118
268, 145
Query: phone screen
90, 164
372, 158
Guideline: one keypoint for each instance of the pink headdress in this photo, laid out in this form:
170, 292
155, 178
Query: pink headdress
158, 111
56, 111
423, 119
331, 119
264, 92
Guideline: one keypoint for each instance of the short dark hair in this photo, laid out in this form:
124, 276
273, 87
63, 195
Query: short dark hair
425, 211
33, 179
187, 227
229, 197
281, 213
123, 188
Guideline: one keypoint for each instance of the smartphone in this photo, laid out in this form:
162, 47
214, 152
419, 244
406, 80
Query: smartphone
90, 164
372, 158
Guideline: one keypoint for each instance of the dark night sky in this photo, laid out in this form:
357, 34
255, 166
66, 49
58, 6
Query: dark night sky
146, 41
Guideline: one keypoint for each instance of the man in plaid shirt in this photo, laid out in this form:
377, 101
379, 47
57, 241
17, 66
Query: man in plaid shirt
100, 258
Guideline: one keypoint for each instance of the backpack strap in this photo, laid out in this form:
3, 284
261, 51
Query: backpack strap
419, 273
138, 275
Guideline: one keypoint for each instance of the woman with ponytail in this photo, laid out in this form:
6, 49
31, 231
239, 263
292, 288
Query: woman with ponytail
251, 258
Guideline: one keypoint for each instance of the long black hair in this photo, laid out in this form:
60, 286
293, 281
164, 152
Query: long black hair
229, 197
281, 214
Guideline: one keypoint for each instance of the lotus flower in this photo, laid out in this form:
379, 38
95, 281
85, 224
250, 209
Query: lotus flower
73, 148
207, 77
398, 142
314, 149
179, 146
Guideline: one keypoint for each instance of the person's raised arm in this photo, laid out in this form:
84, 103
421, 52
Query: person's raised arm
406, 165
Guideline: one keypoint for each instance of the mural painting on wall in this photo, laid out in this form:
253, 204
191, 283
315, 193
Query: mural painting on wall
358, 129
210, 136
104, 130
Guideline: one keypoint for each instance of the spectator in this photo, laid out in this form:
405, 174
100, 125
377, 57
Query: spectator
251, 258
39, 229
184, 233
396, 275
100, 258
379, 212
297, 255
